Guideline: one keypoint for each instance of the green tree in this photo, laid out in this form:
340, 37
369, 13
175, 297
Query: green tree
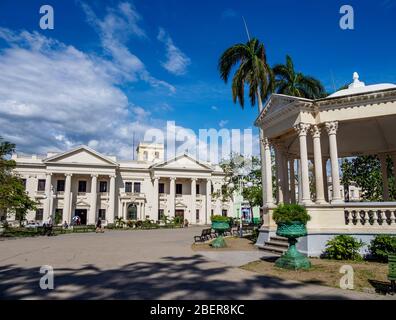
13, 196
252, 71
365, 171
290, 82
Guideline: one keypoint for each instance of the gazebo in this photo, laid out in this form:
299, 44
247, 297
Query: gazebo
360, 120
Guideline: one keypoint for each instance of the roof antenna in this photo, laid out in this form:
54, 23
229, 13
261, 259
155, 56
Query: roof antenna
332, 79
133, 145
246, 28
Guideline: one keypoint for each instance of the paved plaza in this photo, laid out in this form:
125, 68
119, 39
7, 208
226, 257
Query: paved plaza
142, 264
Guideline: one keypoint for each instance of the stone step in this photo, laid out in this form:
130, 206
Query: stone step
281, 244
273, 249
279, 239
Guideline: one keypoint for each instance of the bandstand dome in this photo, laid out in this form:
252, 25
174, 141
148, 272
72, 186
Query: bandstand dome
359, 87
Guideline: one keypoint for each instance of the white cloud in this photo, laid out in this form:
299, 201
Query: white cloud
222, 123
215, 108
53, 97
115, 29
177, 62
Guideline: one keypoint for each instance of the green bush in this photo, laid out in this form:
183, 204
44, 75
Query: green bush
287, 213
343, 247
218, 218
381, 246
178, 220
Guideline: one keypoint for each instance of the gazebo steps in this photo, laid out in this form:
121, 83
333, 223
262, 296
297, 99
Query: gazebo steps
277, 245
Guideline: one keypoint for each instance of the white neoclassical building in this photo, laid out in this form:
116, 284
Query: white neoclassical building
93, 186
360, 120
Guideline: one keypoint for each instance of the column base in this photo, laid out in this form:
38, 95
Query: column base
306, 202
337, 201
322, 201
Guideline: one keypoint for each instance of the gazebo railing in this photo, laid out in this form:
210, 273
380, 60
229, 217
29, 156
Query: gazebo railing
374, 214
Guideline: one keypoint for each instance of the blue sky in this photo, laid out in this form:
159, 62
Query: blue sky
110, 68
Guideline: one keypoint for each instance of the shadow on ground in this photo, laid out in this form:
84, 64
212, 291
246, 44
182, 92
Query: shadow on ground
170, 277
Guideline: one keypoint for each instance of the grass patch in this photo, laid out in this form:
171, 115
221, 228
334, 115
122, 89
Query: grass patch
368, 276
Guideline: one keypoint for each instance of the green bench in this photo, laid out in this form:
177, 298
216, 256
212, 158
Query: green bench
392, 271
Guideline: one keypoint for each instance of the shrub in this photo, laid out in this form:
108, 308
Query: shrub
381, 246
288, 213
218, 218
130, 223
139, 224
343, 247
178, 220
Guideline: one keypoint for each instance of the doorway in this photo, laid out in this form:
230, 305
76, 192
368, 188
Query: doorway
179, 213
82, 213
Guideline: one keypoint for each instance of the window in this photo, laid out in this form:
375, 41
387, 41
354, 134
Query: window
103, 186
82, 186
160, 214
156, 155
39, 214
60, 185
128, 186
136, 187
211, 213
197, 189
161, 188
41, 185
58, 215
102, 214
24, 183
211, 188
179, 188
224, 213
197, 215
145, 155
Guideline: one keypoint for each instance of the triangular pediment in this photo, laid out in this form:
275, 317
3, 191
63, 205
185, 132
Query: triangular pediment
183, 162
82, 155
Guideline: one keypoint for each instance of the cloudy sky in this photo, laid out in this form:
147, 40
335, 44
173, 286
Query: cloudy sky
111, 70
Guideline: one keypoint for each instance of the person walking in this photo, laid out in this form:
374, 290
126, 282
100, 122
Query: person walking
99, 227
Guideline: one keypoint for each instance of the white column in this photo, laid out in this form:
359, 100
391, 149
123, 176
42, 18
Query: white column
193, 200
67, 199
331, 128
299, 181
93, 200
320, 198
394, 168
279, 174
267, 183
286, 184
110, 216
302, 129
208, 200
155, 199
292, 181
384, 173
48, 196
325, 179
172, 194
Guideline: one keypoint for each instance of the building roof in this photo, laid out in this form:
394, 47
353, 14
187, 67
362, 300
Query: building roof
358, 86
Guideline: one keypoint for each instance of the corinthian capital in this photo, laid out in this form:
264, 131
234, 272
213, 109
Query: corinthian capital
302, 128
315, 131
332, 127
265, 142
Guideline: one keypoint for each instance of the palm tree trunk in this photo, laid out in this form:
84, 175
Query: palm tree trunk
262, 150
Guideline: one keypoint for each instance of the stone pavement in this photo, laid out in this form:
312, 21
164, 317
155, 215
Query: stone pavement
141, 264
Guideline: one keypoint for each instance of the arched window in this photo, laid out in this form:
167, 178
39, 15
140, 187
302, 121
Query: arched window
132, 212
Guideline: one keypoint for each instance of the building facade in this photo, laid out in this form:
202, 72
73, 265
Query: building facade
82, 182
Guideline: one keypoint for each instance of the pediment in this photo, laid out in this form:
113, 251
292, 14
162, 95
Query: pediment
183, 162
81, 155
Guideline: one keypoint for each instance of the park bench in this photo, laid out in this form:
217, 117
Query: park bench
392, 271
206, 234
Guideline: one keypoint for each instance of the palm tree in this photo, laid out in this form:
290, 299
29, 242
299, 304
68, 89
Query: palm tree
290, 82
254, 71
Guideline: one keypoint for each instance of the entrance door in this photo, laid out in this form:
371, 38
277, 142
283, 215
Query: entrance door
82, 213
180, 213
